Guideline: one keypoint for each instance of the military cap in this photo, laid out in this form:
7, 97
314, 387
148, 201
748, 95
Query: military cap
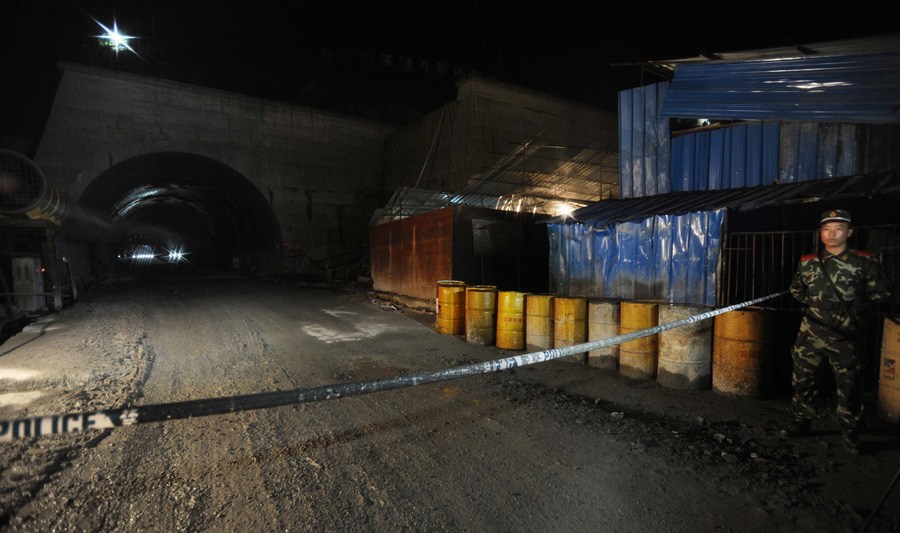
835, 215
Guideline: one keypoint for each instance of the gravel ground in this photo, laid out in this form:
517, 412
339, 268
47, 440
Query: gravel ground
556, 445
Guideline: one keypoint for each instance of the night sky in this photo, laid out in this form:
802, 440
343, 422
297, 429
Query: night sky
391, 63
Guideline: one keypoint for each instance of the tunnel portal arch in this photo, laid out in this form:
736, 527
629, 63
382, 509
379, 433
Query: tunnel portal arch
183, 203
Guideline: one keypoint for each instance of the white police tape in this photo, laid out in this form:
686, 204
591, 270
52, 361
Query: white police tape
77, 422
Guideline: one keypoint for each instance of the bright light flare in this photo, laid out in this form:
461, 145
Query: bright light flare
176, 255
115, 40
564, 209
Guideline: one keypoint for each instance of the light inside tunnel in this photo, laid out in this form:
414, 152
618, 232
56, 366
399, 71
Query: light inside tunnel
190, 211
176, 256
142, 253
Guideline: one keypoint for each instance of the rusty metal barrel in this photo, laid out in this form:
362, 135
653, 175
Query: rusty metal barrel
570, 325
889, 375
539, 322
603, 323
745, 343
638, 358
481, 309
511, 320
685, 353
450, 307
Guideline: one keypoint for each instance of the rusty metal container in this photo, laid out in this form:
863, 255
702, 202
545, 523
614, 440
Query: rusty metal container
888, 378
685, 353
638, 358
745, 342
478, 245
538, 322
511, 320
450, 307
570, 325
603, 323
481, 310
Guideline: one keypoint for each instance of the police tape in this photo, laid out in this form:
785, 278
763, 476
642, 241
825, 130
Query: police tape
100, 420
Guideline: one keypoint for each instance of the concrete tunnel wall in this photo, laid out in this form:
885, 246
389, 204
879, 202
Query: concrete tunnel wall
321, 172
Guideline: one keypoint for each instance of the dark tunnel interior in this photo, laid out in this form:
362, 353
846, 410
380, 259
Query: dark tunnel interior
179, 212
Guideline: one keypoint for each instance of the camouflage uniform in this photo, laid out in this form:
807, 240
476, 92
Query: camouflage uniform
831, 330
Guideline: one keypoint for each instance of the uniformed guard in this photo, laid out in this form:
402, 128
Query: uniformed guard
840, 286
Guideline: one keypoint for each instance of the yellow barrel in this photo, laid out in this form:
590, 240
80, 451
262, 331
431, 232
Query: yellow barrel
744, 352
603, 323
637, 358
450, 307
481, 308
538, 322
685, 353
889, 376
570, 325
511, 320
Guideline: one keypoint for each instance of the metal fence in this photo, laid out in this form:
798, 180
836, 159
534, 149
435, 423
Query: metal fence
756, 263
761, 263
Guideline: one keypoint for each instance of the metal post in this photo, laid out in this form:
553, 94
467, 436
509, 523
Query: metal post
53, 269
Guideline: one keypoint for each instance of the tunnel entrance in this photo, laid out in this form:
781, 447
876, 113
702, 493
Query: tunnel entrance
180, 212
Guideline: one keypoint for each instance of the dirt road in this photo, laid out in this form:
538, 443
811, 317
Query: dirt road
500, 452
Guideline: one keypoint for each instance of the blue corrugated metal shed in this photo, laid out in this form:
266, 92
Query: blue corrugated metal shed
666, 247
738, 155
742, 155
861, 88
762, 153
643, 142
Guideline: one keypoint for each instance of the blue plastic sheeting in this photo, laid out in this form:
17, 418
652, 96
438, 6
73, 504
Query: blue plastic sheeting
643, 142
854, 88
666, 258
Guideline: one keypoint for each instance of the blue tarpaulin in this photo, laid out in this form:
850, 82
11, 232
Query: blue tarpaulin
667, 258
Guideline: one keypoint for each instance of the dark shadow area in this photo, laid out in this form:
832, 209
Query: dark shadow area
13, 325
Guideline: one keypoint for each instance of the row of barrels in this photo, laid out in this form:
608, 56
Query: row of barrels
739, 346
736, 353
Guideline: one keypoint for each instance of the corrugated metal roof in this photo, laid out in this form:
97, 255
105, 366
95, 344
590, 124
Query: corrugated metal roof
408, 201
538, 178
854, 88
742, 199
874, 44
545, 171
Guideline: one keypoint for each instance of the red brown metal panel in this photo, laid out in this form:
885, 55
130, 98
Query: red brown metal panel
410, 255
433, 240
401, 255
380, 257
